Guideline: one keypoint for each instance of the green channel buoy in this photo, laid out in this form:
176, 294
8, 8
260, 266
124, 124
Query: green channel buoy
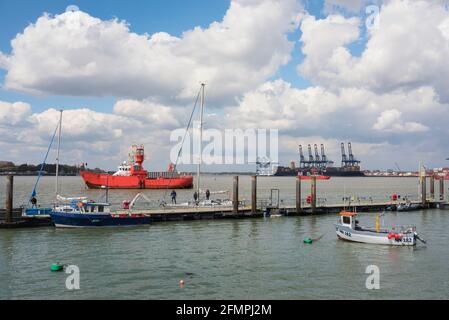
56, 267
308, 240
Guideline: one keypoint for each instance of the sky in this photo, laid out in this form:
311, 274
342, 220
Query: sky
373, 73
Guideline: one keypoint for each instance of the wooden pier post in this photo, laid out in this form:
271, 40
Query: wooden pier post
313, 195
432, 187
441, 188
423, 190
253, 194
298, 195
235, 194
9, 198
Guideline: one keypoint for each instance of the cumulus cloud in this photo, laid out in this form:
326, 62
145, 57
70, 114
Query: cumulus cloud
388, 99
76, 54
87, 135
409, 49
154, 113
324, 43
12, 114
3, 61
81, 125
390, 120
349, 112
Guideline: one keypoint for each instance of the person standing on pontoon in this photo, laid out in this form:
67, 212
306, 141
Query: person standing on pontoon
173, 197
195, 197
33, 202
207, 194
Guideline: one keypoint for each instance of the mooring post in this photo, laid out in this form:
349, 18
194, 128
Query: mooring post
423, 190
9, 198
298, 195
441, 188
313, 195
235, 194
432, 187
253, 194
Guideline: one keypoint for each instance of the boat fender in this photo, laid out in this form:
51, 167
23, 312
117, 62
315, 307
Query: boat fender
391, 235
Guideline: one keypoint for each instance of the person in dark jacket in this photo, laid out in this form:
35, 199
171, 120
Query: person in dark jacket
207, 194
173, 196
33, 202
195, 197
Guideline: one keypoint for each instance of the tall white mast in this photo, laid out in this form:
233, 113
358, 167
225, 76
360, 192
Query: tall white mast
57, 155
200, 158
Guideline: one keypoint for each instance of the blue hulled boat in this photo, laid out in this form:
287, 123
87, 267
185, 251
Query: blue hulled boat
81, 213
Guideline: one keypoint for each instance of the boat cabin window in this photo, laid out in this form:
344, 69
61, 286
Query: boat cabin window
100, 209
346, 220
92, 209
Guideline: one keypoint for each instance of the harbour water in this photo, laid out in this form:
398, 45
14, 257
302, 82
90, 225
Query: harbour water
261, 258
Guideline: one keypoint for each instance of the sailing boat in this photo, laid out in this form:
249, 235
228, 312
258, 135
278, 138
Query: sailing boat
199, 191
34, 210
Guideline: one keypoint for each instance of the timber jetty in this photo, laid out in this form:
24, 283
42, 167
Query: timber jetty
12, 217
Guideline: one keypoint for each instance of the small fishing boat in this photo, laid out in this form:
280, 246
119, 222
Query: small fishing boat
80, 212
348, 229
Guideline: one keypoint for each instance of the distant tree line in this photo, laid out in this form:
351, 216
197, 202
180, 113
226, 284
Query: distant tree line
48, 169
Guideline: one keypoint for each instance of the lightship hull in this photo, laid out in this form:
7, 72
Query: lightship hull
101, 180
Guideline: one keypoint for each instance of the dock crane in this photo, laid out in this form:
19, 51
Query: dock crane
309, 149
324, 159
323, 155
352, 161
317, 156
344, 160
351, 156
301, 157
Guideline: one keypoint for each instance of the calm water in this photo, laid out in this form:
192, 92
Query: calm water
234, 259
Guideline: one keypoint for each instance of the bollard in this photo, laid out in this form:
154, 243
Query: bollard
9, 198
235, 195
298, 195
441, 188
432, 187
254, 194
313, 195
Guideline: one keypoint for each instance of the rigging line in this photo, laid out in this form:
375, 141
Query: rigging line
182, 143
33, 194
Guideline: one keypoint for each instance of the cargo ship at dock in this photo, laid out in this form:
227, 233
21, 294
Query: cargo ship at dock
132, 175
319, 164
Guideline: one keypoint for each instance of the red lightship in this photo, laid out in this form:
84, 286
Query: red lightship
131, 175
